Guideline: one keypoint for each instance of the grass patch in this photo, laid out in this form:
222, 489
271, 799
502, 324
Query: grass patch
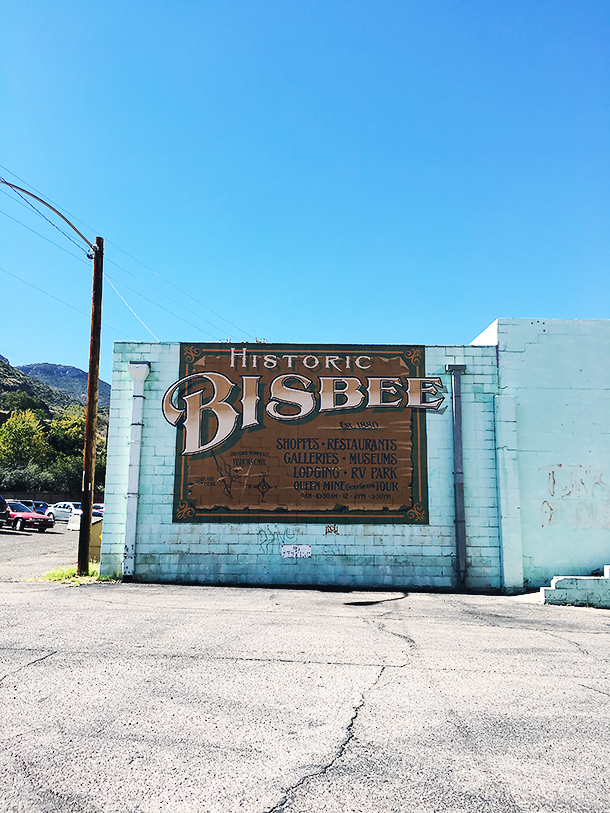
67, 575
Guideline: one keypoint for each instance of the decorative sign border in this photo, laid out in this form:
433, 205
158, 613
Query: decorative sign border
412, 416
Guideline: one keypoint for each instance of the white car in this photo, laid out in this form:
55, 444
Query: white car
64, 510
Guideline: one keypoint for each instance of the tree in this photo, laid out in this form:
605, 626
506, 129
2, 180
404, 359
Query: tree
36, 456
66, 473
66, 434
22, 441
19, 401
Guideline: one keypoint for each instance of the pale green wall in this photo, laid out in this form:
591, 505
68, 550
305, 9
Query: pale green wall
536, 410
381, 555
557, 374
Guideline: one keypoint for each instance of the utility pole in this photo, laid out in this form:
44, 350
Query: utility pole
88, 481
92, 385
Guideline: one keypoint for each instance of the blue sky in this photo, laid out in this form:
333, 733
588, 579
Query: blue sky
336, 171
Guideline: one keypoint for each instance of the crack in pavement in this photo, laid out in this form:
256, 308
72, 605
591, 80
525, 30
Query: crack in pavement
306, 661
210, 656
381, 626
578, 646
349, 734
593, 689
25, 665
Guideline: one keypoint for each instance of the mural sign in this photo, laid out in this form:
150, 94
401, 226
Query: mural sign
301, 433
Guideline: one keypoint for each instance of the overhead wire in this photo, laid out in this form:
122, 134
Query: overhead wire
77, 258
167, 310
44, 217
12, 353
180, 304
53, 243
156, 304
61, 301
109, 281
112, 262
156, 273
86, 263
178, 288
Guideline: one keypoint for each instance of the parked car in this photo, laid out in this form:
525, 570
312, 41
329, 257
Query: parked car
3, 511
98, 509
20, 517
63, 510
36, 505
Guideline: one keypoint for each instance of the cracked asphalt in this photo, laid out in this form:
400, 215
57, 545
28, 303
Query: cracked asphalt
150, 698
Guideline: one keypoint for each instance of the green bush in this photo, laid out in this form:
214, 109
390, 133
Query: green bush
26, 478
19, 401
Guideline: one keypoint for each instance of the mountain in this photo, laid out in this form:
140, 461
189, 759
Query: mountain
70, 380
12, 379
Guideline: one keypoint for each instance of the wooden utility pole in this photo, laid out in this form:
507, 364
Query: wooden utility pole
92, 385
88, 482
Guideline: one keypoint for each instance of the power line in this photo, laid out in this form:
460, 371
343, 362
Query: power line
178, 288
11, 353
197, 327
61, 301
53, 243
111, 262
180, 304
44, 217
186, 321
156, 273
129, 306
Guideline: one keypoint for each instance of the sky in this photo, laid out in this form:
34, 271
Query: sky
335, 171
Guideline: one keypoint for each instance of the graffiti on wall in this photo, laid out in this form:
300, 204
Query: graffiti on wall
271, 539
577, 497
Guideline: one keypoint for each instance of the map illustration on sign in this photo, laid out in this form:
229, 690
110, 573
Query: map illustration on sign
304, 433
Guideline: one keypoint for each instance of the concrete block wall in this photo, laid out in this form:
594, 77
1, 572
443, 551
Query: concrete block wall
164, 360
509, 507
579, 591
359, 555
557, 375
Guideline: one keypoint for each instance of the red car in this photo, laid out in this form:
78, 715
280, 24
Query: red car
20, 517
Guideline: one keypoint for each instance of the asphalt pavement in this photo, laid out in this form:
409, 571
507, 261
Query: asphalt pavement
150, 698
27, 554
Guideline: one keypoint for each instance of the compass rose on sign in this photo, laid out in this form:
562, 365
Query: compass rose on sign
262, 486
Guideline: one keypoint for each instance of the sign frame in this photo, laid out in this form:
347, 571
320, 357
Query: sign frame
186, 510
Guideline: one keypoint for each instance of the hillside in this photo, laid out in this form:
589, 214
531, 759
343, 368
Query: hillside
70, 380
12, 379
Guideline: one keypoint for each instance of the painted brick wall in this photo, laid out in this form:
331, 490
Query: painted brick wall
365, 555
556, 373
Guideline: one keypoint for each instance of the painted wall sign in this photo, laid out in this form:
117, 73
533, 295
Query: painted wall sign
310, 433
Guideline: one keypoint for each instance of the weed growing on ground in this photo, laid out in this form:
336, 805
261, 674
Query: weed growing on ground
67, 575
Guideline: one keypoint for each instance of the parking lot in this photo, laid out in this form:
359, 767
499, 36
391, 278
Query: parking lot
155, 698
26, 554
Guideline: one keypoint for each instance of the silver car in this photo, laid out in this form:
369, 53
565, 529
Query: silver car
63, 510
